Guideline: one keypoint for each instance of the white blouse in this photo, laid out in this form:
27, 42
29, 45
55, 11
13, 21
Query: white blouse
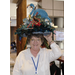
24, 64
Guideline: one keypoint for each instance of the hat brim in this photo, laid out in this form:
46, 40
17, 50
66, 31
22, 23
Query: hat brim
44, 33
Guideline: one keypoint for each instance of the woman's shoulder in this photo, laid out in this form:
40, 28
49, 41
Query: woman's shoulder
22, 54
45, 49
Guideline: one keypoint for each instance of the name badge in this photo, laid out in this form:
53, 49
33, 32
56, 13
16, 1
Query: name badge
36, 66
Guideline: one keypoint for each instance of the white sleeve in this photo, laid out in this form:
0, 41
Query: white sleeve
16, 69
55, 53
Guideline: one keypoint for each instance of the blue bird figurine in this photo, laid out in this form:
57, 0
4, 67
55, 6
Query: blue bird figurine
41, 12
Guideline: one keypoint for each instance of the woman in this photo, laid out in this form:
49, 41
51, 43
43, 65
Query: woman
36, 60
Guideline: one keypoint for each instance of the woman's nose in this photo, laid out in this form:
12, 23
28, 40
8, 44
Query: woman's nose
35, 41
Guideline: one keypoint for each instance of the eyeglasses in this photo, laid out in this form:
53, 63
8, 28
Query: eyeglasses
37, 40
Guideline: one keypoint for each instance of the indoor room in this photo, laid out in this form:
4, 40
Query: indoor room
19, 11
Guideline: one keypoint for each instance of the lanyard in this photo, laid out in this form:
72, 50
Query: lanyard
36, 66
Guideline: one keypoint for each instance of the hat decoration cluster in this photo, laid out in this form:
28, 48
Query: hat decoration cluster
35, 24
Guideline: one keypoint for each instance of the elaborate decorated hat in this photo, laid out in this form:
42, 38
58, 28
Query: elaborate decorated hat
38, 22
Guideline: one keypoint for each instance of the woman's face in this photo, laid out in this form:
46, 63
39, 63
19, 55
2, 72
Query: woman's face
35, 42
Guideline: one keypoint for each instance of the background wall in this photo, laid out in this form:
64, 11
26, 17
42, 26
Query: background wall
13, 10
13, 36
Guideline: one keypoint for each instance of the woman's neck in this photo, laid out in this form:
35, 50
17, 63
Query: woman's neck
34, 52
